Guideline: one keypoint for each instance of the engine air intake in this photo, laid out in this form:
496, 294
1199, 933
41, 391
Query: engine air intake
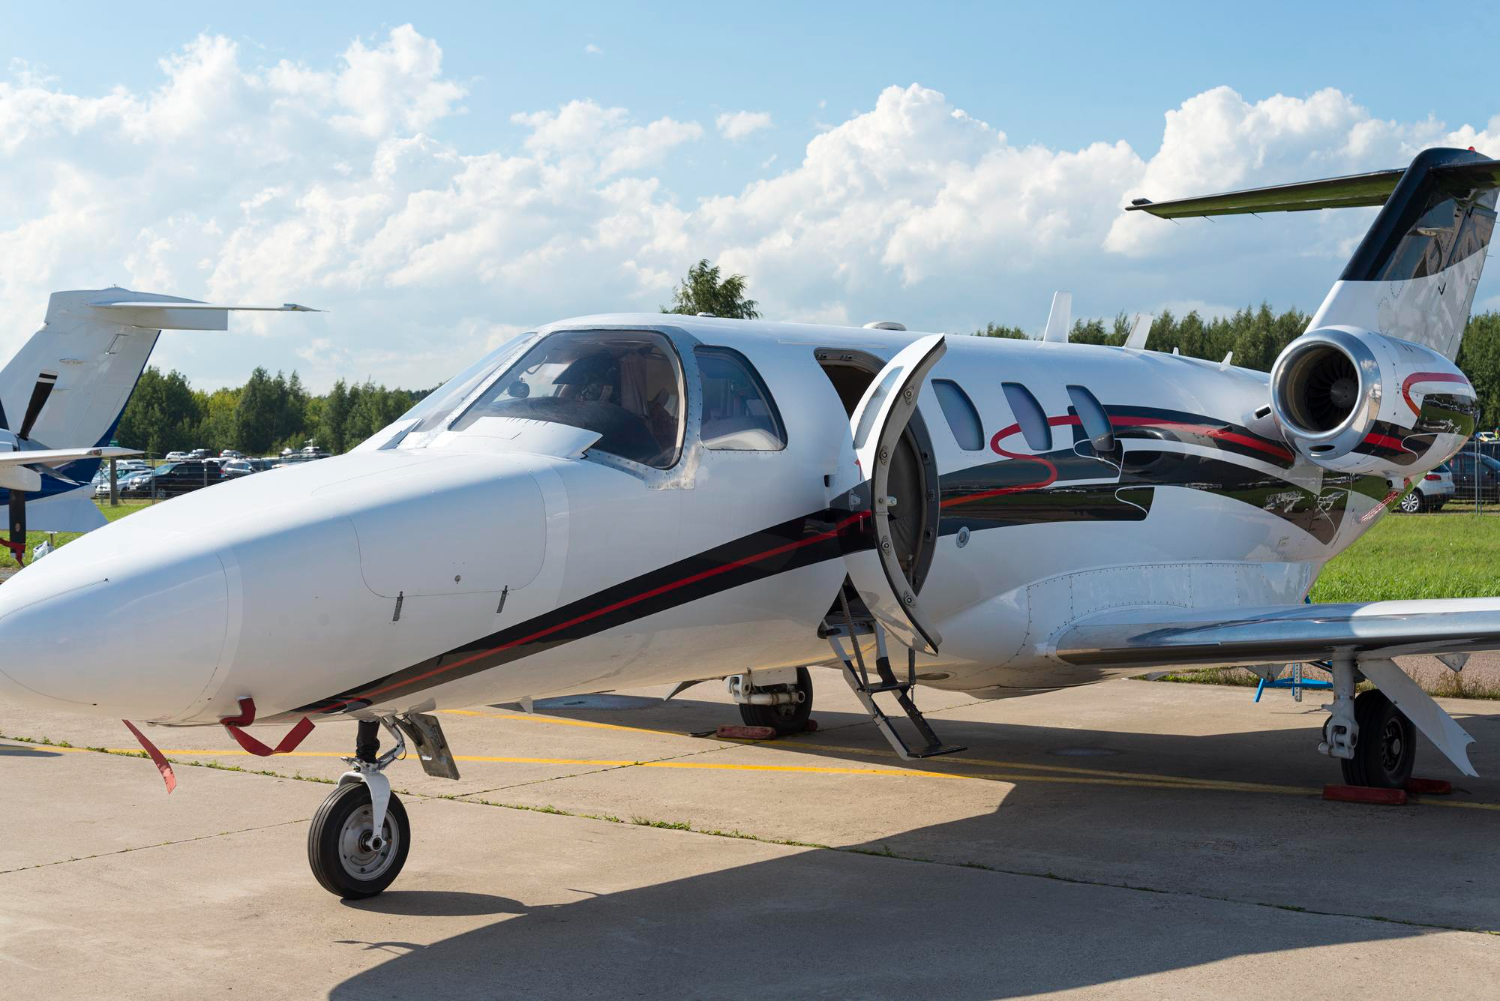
1321, 388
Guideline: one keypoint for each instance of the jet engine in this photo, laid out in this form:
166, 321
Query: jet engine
1355, 401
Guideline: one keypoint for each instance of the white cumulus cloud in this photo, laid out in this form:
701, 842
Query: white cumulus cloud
739, 124
333, 184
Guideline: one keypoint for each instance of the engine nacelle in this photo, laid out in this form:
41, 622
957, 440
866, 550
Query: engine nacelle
1356, 401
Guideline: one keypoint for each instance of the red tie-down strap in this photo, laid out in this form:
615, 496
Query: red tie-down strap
162, 764
17, 549
247, 716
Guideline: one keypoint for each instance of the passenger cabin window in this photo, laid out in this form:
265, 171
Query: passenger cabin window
1093, 418
625, 385
738, 411
1029, 415
963, 419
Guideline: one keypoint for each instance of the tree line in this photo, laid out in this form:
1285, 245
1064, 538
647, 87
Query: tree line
262, 417
1257, 336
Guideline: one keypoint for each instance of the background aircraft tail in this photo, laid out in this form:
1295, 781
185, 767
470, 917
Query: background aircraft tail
1414, 274
68, 385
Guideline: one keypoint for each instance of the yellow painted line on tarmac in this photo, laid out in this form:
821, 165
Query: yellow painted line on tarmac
563, 721
1092, 777
799, 743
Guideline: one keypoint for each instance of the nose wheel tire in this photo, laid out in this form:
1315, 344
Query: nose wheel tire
342, 847
784, 719
1387, 744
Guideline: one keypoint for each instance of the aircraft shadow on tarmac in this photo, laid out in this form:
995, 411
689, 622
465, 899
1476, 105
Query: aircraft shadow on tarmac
841, 924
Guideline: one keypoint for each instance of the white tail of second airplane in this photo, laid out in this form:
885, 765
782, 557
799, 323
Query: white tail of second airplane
68, 384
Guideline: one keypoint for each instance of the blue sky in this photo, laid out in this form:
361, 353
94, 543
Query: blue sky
1076, 93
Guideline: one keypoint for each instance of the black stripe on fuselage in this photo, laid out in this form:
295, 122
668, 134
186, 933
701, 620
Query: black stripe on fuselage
788, 546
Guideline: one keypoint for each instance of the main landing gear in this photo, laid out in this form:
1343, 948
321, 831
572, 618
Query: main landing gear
360, 836
780, 699
1374, 741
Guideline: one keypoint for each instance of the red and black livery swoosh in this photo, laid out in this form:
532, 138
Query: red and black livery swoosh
1019, 489
788, 546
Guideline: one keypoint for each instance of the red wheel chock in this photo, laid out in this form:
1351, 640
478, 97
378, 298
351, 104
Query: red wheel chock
745, 732
1429, 787
1364, 794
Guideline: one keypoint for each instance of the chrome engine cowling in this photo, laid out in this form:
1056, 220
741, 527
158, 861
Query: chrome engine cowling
1356, 401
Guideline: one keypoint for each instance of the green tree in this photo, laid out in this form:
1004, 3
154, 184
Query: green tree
334, 417
1479, 359
255, 414
703, 291
996, 330
161, 416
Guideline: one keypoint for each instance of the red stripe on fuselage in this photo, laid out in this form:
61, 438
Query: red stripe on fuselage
1417, 377
1207, 431
622, 603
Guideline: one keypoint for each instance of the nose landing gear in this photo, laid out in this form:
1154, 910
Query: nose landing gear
360, 836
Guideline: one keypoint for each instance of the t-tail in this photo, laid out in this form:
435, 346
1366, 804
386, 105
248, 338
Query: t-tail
67, 387
1371, 386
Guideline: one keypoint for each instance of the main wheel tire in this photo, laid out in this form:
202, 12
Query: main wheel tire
784, 719
1387, 745
1412, 503
338, 843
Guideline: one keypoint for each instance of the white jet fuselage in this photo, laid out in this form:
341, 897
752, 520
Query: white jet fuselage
507, 560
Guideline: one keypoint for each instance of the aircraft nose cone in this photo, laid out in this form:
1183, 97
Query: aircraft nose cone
139, 640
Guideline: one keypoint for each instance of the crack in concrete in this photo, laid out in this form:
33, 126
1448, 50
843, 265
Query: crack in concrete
160, 844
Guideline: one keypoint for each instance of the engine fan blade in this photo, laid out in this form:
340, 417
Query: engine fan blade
39, 393
16, 543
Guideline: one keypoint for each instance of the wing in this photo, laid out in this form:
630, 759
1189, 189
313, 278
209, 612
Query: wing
1231, 636
1372, 633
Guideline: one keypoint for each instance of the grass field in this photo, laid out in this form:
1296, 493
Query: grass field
35, 538
1441, 555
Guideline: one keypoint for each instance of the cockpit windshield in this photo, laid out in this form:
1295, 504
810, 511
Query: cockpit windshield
626, 385
435, 407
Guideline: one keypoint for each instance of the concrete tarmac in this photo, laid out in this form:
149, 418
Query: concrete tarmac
1127, 840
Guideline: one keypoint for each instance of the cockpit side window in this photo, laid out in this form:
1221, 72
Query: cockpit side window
738, 411
627, 385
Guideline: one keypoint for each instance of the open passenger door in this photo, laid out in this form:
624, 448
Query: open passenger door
877, 425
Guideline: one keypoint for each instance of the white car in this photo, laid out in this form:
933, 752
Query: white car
1431, 492
175, 456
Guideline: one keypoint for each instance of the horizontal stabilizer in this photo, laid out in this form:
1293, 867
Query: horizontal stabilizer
62, 456
1349, 191
167, 315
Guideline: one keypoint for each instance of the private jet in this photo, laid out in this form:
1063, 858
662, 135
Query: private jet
625, 500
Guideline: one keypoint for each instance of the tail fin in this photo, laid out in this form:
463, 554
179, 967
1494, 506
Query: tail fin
68, 384
1415, 272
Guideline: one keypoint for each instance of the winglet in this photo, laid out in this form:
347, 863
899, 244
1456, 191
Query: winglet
1060, 319
1140, 332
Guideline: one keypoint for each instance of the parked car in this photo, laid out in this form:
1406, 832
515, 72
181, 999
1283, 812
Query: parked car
200, 453
1431, 492
305, 454
235, 468
172, 478
230, 453
1464, 477
175, 456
